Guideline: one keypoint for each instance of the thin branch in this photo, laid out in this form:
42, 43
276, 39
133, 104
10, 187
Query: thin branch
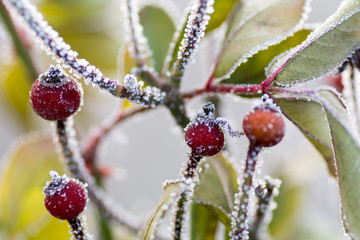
265, 194
75, 163
78, 229
90, 145
189, 176
240, 219
194, 32
57, 47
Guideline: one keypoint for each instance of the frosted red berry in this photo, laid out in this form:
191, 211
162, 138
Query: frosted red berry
203, 135
264, 126
65, 198
55, 95
205, 138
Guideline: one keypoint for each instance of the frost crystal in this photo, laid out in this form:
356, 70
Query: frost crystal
56, 184
150, 96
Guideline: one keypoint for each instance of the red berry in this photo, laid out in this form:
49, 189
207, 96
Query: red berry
204, 138
54, 95
65, 198
264, 127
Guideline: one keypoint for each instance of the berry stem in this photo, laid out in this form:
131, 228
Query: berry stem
77, 229
189, 175
19, 45
265, 194
76, 166
241, 219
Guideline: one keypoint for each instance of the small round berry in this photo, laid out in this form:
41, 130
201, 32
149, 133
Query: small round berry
55, 95
264, 127
65, 198
204, 138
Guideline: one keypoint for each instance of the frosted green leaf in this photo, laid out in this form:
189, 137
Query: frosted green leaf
258, 25
221, 11
171, 191
325, 49
347, 154
159, 30
310, 118
217, 187
253, 71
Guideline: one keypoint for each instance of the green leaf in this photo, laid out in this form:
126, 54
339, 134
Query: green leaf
204, 223
258, 25
309, 116
347, 153
325, 49
253, 71
159, 30
217, 188
22, 179
171, 191
221, 11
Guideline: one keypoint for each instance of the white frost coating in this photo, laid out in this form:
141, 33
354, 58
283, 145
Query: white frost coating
150, 96
56, 45
57, 184
195, 30
334, 20
271, 42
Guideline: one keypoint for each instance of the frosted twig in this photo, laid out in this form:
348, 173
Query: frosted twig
189, 176
76, 166
195, 30
57, 47
226, 126
139, 46
265, 194
78, 229
240, 216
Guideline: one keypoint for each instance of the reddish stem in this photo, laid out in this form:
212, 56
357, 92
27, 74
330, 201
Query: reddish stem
90, 145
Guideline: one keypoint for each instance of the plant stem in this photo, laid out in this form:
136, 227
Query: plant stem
189, 174
265, 195
240, 221
19, 46
90, 144
76, 166
77, 229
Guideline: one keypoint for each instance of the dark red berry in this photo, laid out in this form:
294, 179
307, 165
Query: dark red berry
204, 138
65, 198
264, 127
55, 95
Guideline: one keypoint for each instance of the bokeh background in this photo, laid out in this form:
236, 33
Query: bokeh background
146, 150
